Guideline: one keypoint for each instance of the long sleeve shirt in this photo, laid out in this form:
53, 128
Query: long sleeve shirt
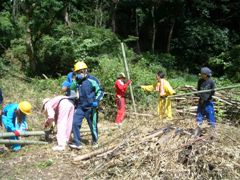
89, 90
164, 88
52, 107
121, 87
10, 120
206, 85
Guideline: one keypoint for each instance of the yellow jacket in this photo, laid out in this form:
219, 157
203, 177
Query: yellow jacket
164, 87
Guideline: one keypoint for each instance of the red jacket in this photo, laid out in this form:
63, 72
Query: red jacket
121, 88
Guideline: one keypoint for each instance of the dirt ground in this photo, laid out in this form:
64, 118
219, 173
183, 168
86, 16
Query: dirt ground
140, 155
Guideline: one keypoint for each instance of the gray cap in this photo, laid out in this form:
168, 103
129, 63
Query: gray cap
207, 71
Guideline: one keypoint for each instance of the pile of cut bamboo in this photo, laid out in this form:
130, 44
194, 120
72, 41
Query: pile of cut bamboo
227, 109
168, 152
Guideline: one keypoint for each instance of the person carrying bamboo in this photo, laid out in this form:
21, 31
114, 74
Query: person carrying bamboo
205, 103
14, 119
164, 89
121, 88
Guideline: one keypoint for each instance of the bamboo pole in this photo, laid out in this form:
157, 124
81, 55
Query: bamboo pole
27, 133
128, 76
204, 91
9, 141
94, 153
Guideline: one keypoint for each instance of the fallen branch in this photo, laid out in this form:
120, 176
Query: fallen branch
94, 153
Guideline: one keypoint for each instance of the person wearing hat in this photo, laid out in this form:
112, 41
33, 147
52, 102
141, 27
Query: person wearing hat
205, 103
60, 110
164, 89
90, 94
121, 88
14, 119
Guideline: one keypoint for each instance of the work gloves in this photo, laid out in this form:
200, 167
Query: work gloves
94, 104
129, 82
17, 133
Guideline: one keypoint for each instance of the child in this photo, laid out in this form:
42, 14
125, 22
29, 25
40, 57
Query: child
14, 119
121, 88
59, 109
205, 104
164, 89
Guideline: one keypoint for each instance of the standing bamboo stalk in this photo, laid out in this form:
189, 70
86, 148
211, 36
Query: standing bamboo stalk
128, 76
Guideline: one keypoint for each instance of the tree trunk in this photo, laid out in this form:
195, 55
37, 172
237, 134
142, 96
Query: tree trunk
115, 4
170, 36
14, 10
66, 15
137, 31
101, 15
154, 29
96, 15
30, 51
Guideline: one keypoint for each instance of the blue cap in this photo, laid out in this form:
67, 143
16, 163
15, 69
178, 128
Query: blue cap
207, 71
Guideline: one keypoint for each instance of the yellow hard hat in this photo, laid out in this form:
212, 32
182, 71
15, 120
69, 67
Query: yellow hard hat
79, 66
25, 107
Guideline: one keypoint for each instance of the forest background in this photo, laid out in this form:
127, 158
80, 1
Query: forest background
42, 39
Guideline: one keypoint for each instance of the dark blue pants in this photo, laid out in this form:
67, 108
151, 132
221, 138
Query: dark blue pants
206, 109
91, 116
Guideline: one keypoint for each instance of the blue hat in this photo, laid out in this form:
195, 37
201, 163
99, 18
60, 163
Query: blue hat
207, 71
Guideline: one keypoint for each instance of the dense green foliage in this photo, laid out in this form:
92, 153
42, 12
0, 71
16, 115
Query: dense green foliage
46, 37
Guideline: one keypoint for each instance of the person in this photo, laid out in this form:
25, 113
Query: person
59, 109
67, 83
121, 88
205, 103
14, 119
90, 94
164, 89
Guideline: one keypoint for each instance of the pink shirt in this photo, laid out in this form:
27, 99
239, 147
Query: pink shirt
52, 106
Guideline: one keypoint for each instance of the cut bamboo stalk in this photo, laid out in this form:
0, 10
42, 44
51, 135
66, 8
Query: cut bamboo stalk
222, 100
204, 91
26, 133
94, 153
9, 141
